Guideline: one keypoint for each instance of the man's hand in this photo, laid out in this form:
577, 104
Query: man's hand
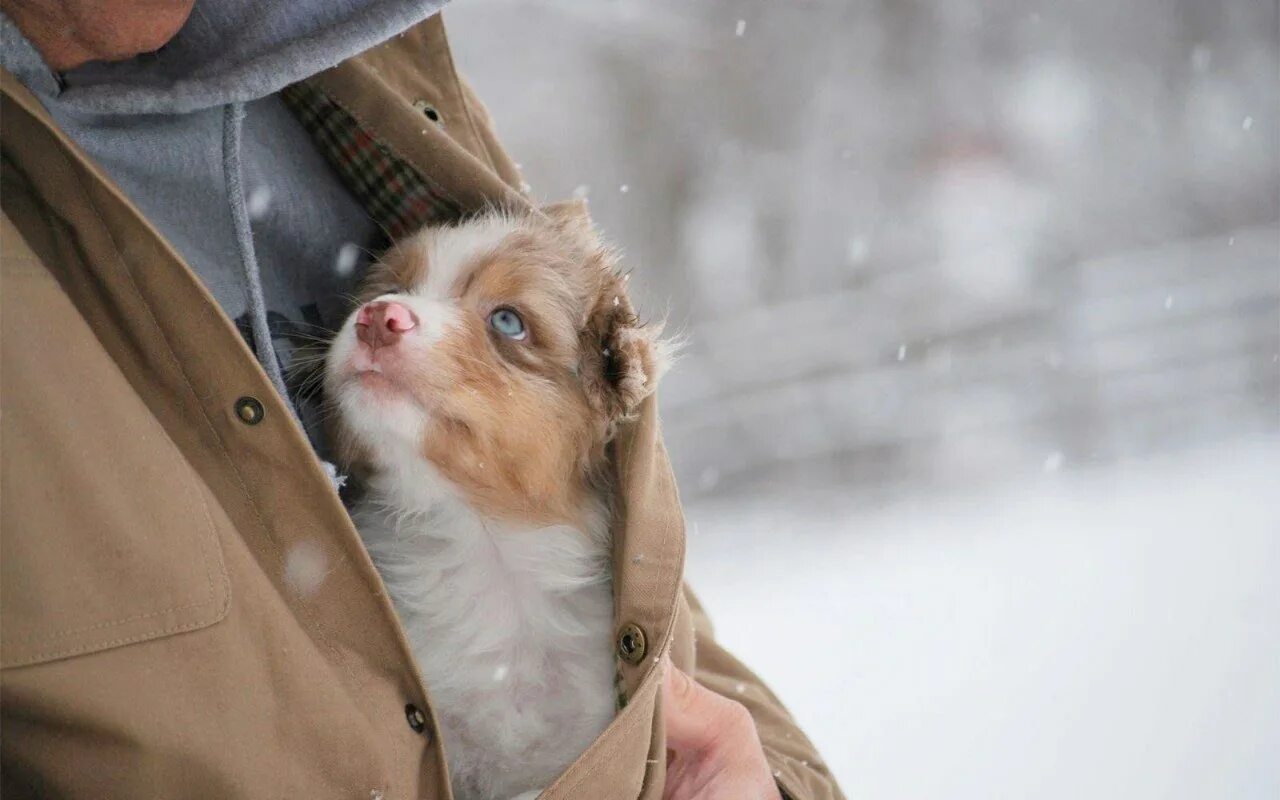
713, 750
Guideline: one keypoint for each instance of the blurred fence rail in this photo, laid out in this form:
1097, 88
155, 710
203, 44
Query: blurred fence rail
1164, 347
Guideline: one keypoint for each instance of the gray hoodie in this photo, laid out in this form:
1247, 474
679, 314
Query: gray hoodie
197, 137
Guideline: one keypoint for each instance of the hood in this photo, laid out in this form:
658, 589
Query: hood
229, 51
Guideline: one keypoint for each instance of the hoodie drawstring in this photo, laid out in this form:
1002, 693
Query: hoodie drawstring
232, 135
264, 348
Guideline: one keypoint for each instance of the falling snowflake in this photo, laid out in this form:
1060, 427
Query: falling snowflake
902, 352
581, 191
258, 202
1201, 55
624, 188
857, 250
1247, 123
1053, 462
336, 478
500, 673
740, 28
348, 257
305, 567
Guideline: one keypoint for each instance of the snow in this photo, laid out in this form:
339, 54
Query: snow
740, 28
1050, 103
348, 256
336, 478
857, 250
1101, 634
258, 202
305, 567
1201, 57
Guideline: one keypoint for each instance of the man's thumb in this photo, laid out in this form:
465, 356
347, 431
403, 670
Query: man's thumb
695, 716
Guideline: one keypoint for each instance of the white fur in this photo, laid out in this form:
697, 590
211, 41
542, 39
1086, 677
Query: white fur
448, 251
511, 627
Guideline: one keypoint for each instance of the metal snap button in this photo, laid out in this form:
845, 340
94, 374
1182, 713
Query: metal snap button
631, 643
417, 719
250, 410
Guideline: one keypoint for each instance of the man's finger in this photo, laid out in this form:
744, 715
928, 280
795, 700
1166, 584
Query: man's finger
696, 717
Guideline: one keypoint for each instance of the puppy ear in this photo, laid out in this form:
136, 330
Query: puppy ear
622, 359
572, 219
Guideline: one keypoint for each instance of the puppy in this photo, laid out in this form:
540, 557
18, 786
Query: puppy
474, 393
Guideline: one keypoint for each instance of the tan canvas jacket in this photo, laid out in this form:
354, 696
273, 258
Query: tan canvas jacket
149, 644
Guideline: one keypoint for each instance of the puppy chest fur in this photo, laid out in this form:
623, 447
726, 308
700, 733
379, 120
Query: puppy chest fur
511, 626
474, 393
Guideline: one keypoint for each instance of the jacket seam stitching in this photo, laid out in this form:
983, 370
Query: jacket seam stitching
41, 637
173, 357
462, 98
211, 531
599, 757
95, 646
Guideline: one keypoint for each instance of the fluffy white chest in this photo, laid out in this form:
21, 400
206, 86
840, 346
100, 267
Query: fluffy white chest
513, 631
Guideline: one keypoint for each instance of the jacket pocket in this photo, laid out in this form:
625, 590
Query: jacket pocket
107, 535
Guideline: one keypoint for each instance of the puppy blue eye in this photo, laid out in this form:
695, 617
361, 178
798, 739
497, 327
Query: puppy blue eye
508, 323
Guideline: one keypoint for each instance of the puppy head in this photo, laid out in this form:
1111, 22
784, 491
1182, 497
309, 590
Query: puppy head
504, 352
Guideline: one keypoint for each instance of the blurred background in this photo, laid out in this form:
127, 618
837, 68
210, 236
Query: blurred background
978, 424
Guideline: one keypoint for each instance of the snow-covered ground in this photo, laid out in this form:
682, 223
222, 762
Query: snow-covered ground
1093, 634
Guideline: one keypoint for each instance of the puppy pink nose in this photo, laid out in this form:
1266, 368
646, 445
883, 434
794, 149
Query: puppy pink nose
383, 322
